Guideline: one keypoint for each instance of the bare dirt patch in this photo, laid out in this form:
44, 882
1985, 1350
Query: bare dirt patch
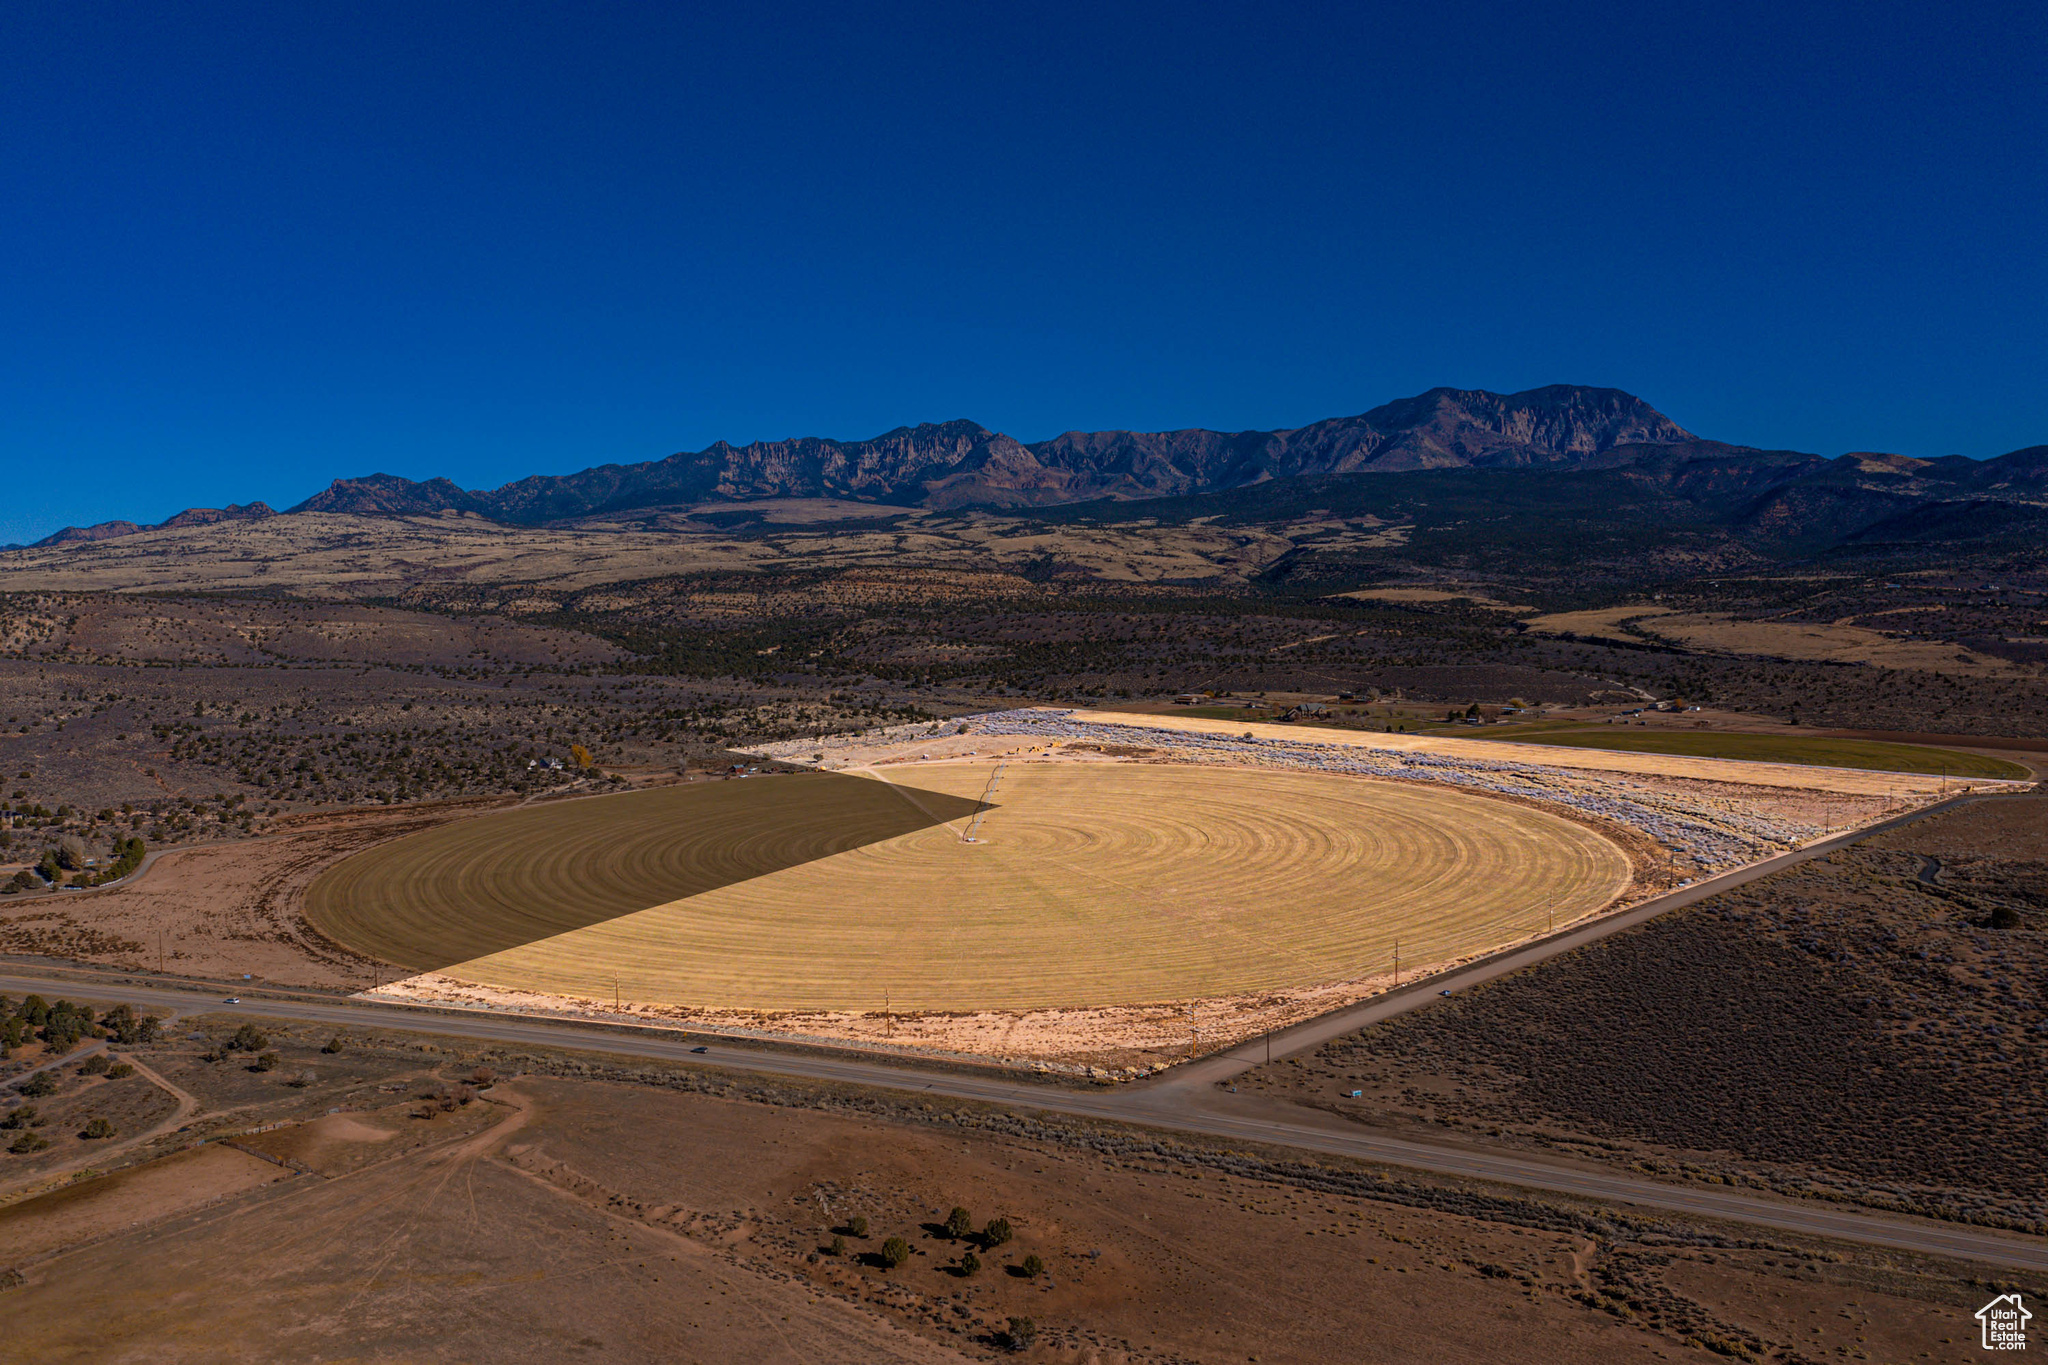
685, 1214
84, 1212
226, 910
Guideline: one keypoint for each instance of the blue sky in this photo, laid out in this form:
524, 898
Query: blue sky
249, 248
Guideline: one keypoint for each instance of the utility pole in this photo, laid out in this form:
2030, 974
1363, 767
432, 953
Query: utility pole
1397, 962
888, 1019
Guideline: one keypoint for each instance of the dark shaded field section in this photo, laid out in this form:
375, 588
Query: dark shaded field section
482, 886
1814, 750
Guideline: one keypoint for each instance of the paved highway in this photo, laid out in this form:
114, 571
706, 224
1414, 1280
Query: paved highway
1189, 1099
1198, 1109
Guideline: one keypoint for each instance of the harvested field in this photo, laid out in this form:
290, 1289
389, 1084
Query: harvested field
1751, 748
1084, 884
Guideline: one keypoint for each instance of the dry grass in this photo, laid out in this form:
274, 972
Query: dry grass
1091, 884
1605, 623
1831, 643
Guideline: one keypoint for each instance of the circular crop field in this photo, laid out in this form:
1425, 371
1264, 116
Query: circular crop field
967, 886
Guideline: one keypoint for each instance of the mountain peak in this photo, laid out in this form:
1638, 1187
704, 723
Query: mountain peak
389, 495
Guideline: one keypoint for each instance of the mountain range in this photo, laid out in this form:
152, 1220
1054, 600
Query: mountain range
961, 464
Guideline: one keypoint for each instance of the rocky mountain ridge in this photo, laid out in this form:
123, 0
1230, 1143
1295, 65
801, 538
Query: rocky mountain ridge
964, 464
1567, 429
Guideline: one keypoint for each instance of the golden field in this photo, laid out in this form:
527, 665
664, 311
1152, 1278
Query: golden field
1088, 884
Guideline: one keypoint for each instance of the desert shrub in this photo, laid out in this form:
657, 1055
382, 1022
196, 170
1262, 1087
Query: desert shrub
959, 1223
249, 1038
128, 1027
1032, 1266
1019, 1334
20, 1118
96, 1065
483, 1077
334, 1044
970, 1264
64, 1023
120, 1071
836, 1247
98, 1128
265, 1061
28, 1142
996, 1233
895, 1252
858, 1225
39, 1085
302, 1080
